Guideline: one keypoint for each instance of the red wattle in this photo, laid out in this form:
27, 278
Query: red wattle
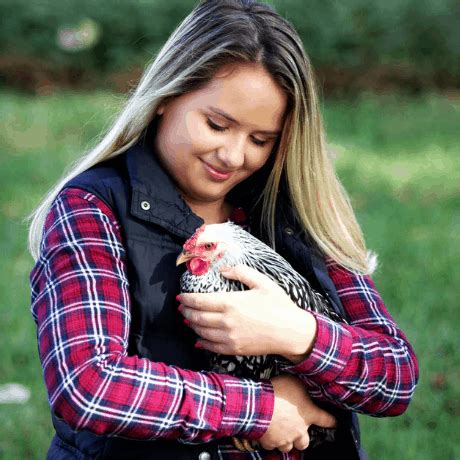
197, 266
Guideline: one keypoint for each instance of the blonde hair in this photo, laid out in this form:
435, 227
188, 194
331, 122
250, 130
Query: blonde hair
221, 32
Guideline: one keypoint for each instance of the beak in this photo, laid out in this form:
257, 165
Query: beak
183, 257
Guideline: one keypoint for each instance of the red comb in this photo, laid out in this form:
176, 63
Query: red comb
191, 242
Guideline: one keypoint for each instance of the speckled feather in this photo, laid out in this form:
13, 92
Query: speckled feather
244, 248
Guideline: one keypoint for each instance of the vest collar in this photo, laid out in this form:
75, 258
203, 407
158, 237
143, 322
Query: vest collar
155, 197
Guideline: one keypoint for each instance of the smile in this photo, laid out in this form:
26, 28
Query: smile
215, 173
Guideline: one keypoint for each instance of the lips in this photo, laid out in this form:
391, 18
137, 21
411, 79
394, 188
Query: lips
215, 173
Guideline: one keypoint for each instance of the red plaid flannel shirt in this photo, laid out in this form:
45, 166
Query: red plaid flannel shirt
81, 304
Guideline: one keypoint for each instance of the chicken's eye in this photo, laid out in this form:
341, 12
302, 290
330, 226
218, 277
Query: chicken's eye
209, 246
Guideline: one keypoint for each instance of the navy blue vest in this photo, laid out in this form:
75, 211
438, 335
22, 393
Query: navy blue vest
153, 236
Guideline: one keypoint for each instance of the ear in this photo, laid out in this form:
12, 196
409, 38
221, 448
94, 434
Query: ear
164, 105
161, 109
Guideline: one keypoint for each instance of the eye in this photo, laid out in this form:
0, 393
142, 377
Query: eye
259, 143
209, 246
216, 127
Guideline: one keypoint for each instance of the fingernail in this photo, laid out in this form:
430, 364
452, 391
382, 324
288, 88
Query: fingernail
198, 345
186, 321
178, 298
180, 307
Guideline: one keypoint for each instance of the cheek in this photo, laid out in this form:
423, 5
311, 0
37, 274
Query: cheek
180, 137
170, 149
255, 161
201, 140
251, 165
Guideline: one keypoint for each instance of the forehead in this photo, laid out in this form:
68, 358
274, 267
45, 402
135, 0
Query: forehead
248, 93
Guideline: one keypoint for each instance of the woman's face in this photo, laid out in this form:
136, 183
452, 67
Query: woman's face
211, 139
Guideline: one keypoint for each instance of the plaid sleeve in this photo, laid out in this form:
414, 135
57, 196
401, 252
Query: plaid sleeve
367, 366
81, 305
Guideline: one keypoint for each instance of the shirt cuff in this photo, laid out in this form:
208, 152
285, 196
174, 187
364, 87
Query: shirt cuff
249, 407
330, 354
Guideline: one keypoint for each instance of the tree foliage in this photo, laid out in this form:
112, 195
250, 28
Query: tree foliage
419, 35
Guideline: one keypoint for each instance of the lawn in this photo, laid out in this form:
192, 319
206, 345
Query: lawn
398, 158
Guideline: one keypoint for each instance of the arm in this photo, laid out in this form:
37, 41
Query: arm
81, 304
367, 366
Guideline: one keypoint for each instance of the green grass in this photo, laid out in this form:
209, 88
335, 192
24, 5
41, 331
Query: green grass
397, 157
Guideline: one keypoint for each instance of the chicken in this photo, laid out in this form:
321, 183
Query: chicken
217, 245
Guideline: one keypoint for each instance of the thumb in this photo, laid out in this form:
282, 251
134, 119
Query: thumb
247, 275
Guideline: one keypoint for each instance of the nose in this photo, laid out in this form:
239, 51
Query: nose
232, 153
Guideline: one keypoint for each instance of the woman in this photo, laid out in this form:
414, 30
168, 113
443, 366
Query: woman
226, 119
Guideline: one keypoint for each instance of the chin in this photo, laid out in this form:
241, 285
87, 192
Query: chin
210, 195
212, 198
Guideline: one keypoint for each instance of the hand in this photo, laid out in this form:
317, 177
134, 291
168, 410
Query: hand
262, 320
293, 413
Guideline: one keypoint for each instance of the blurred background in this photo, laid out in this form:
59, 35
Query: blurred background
389, 74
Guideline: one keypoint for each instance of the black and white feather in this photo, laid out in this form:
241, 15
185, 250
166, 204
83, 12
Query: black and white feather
237, 246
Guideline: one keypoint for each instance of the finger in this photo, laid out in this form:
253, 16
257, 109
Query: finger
247, 275
203, 318
208, 333
215, 347
248, 445
286, 448
266, 446
325, 419
302, 442
238, 444
203, 301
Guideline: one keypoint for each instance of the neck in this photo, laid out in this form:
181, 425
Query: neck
211, 213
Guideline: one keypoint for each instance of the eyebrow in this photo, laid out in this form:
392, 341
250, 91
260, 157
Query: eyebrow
230, 118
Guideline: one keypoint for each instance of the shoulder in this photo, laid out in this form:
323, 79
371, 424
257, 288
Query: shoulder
79, 210
109, 173
104, 185
77, 199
